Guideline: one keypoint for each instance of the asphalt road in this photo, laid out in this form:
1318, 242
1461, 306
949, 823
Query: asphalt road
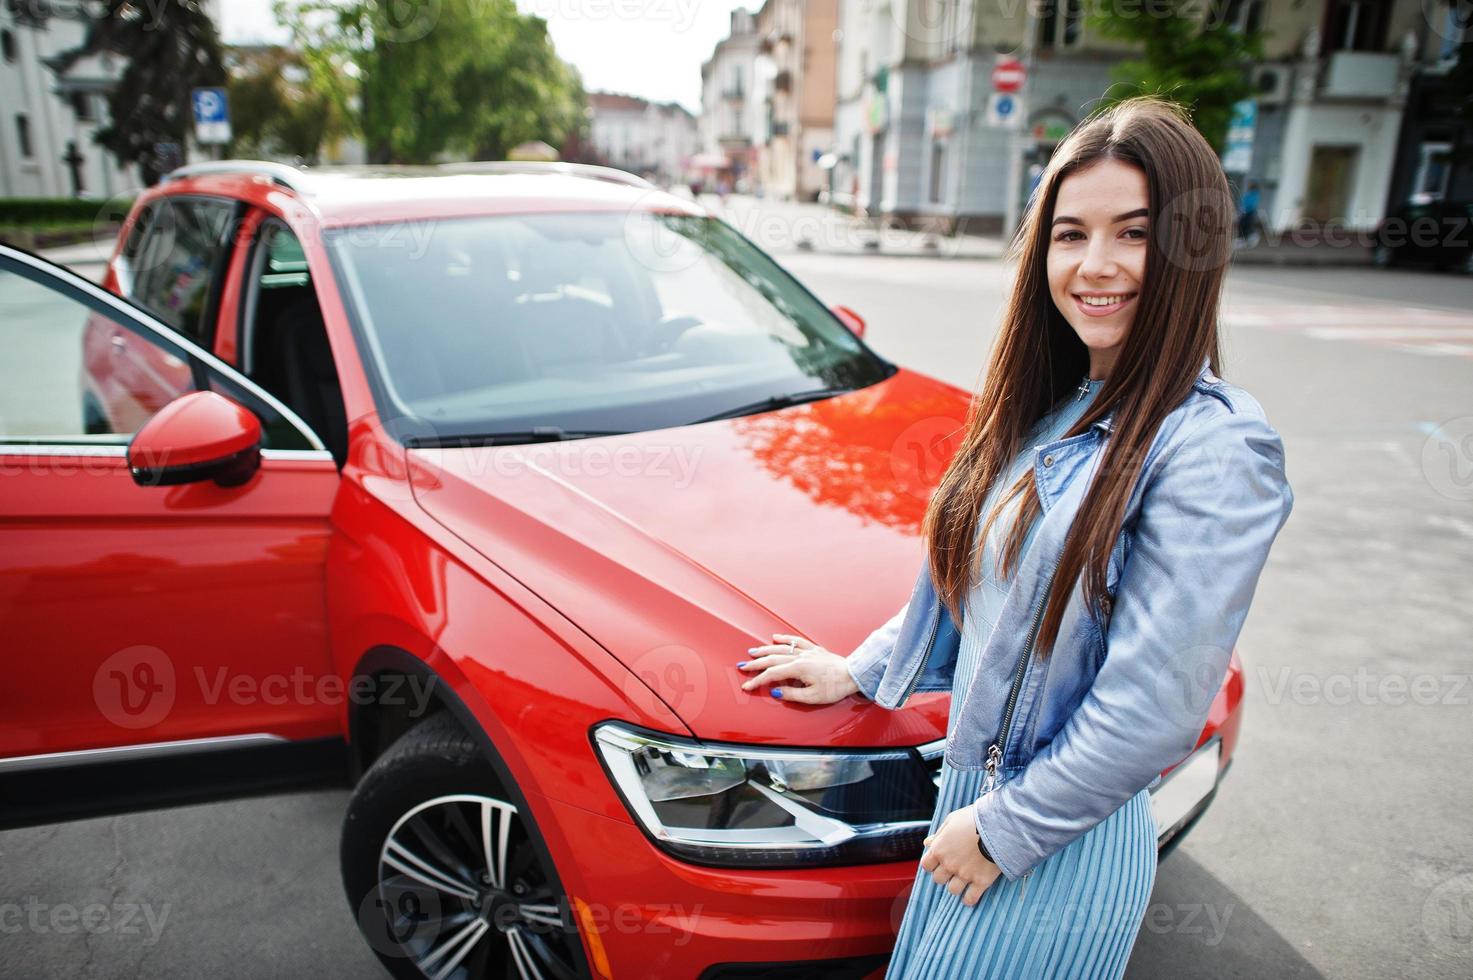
1340, 843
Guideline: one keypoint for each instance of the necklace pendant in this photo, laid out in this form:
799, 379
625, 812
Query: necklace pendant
1083, 390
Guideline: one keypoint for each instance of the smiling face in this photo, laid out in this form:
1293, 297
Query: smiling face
1097, 255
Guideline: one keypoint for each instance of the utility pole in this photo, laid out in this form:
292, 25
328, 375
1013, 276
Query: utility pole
1018, 142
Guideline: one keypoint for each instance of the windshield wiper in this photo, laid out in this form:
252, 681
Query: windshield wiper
775, 402
538, 433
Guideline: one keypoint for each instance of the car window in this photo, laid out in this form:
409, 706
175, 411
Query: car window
609, 321
180, 261
77, 372
284, 336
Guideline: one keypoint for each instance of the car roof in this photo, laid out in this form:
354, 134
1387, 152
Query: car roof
364, 194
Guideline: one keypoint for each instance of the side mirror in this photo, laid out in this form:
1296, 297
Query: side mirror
198, 436
850, 319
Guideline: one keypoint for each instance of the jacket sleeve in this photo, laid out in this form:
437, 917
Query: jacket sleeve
867, 663
1206, 520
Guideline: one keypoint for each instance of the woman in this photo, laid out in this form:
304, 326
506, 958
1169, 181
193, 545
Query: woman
1098, 537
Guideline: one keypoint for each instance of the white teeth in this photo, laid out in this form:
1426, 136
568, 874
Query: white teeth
1102, 300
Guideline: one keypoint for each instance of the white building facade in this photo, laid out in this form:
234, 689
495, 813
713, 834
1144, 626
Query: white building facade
52, 103
733, 93
656, 140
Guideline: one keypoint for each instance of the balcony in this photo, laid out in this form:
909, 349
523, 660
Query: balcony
736, 94
1360, 75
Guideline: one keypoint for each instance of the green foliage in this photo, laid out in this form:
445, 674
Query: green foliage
170, 47
56, 210
277, 108
459, 78
1188, 55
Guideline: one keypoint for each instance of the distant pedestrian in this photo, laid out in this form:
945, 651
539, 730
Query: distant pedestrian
1248, 215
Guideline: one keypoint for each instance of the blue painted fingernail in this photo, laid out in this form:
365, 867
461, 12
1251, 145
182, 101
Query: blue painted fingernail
741, 663
777, 692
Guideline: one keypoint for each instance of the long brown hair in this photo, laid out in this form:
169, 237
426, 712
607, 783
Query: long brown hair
1037, 357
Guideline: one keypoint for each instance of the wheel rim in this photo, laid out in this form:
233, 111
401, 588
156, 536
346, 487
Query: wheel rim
466, 897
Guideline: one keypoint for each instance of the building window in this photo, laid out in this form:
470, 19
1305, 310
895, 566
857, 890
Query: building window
23, 135
1433, 168
82, 106
1059, 23
7, 45
1356, 25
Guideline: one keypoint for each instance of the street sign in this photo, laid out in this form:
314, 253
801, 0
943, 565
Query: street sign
211, 115
1008, 75
1003, 111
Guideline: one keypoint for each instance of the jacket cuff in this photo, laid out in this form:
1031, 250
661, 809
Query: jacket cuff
867, 668
990, 821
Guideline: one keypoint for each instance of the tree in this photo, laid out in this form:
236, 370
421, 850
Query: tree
470, 78
170, 47
276, 109
1198, 60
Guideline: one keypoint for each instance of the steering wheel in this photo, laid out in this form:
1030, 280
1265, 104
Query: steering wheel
668, 329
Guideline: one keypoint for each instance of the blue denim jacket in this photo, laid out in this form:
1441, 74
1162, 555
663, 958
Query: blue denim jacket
1127, 687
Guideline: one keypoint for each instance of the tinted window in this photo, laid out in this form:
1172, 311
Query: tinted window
177, 269
600, 321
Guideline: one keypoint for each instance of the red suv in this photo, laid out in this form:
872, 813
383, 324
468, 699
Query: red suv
471, 486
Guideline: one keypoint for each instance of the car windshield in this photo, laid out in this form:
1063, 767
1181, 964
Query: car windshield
588, 322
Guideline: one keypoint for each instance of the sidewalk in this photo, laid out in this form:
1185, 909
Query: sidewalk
787, 227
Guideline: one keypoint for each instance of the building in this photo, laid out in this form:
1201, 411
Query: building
656, 140
1435, 151
799, 47
915, 142
55, 101
733, 122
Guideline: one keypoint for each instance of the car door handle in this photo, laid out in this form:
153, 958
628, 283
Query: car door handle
119, 344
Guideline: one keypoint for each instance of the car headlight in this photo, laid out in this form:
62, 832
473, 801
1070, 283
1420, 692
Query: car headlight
732, 805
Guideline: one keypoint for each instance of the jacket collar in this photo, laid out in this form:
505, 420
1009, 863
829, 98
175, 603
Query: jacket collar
1205, 379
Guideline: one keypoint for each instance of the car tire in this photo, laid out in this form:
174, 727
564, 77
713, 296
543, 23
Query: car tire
414, 860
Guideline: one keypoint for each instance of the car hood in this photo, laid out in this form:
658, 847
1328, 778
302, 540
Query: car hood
678, 549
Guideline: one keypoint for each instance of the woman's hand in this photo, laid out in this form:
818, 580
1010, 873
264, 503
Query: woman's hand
807, 672
955, 862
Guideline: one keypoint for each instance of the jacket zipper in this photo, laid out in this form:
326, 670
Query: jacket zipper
921, 667
996, 749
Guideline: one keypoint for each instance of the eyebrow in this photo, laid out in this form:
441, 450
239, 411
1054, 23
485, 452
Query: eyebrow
1069, 219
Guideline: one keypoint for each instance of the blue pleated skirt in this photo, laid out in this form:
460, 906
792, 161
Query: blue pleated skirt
1077, 918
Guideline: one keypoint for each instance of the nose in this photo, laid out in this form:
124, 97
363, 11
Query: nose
1099, 259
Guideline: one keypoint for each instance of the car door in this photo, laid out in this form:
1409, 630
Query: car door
174, 634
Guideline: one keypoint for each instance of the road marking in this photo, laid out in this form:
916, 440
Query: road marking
1416, 330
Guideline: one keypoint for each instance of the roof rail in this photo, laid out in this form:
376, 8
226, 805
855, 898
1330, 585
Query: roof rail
549, 167
286, 176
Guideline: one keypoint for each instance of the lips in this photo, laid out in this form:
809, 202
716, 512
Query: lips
1101, 304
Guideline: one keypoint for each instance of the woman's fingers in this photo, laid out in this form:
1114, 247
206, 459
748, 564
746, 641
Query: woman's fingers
973, 895
957, 885
792, 669
769, 660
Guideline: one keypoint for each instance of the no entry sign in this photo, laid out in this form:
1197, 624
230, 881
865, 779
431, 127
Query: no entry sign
1008, 75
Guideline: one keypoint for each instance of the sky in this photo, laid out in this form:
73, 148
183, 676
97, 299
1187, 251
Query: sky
649, 48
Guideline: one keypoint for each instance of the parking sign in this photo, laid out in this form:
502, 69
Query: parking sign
211, 115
